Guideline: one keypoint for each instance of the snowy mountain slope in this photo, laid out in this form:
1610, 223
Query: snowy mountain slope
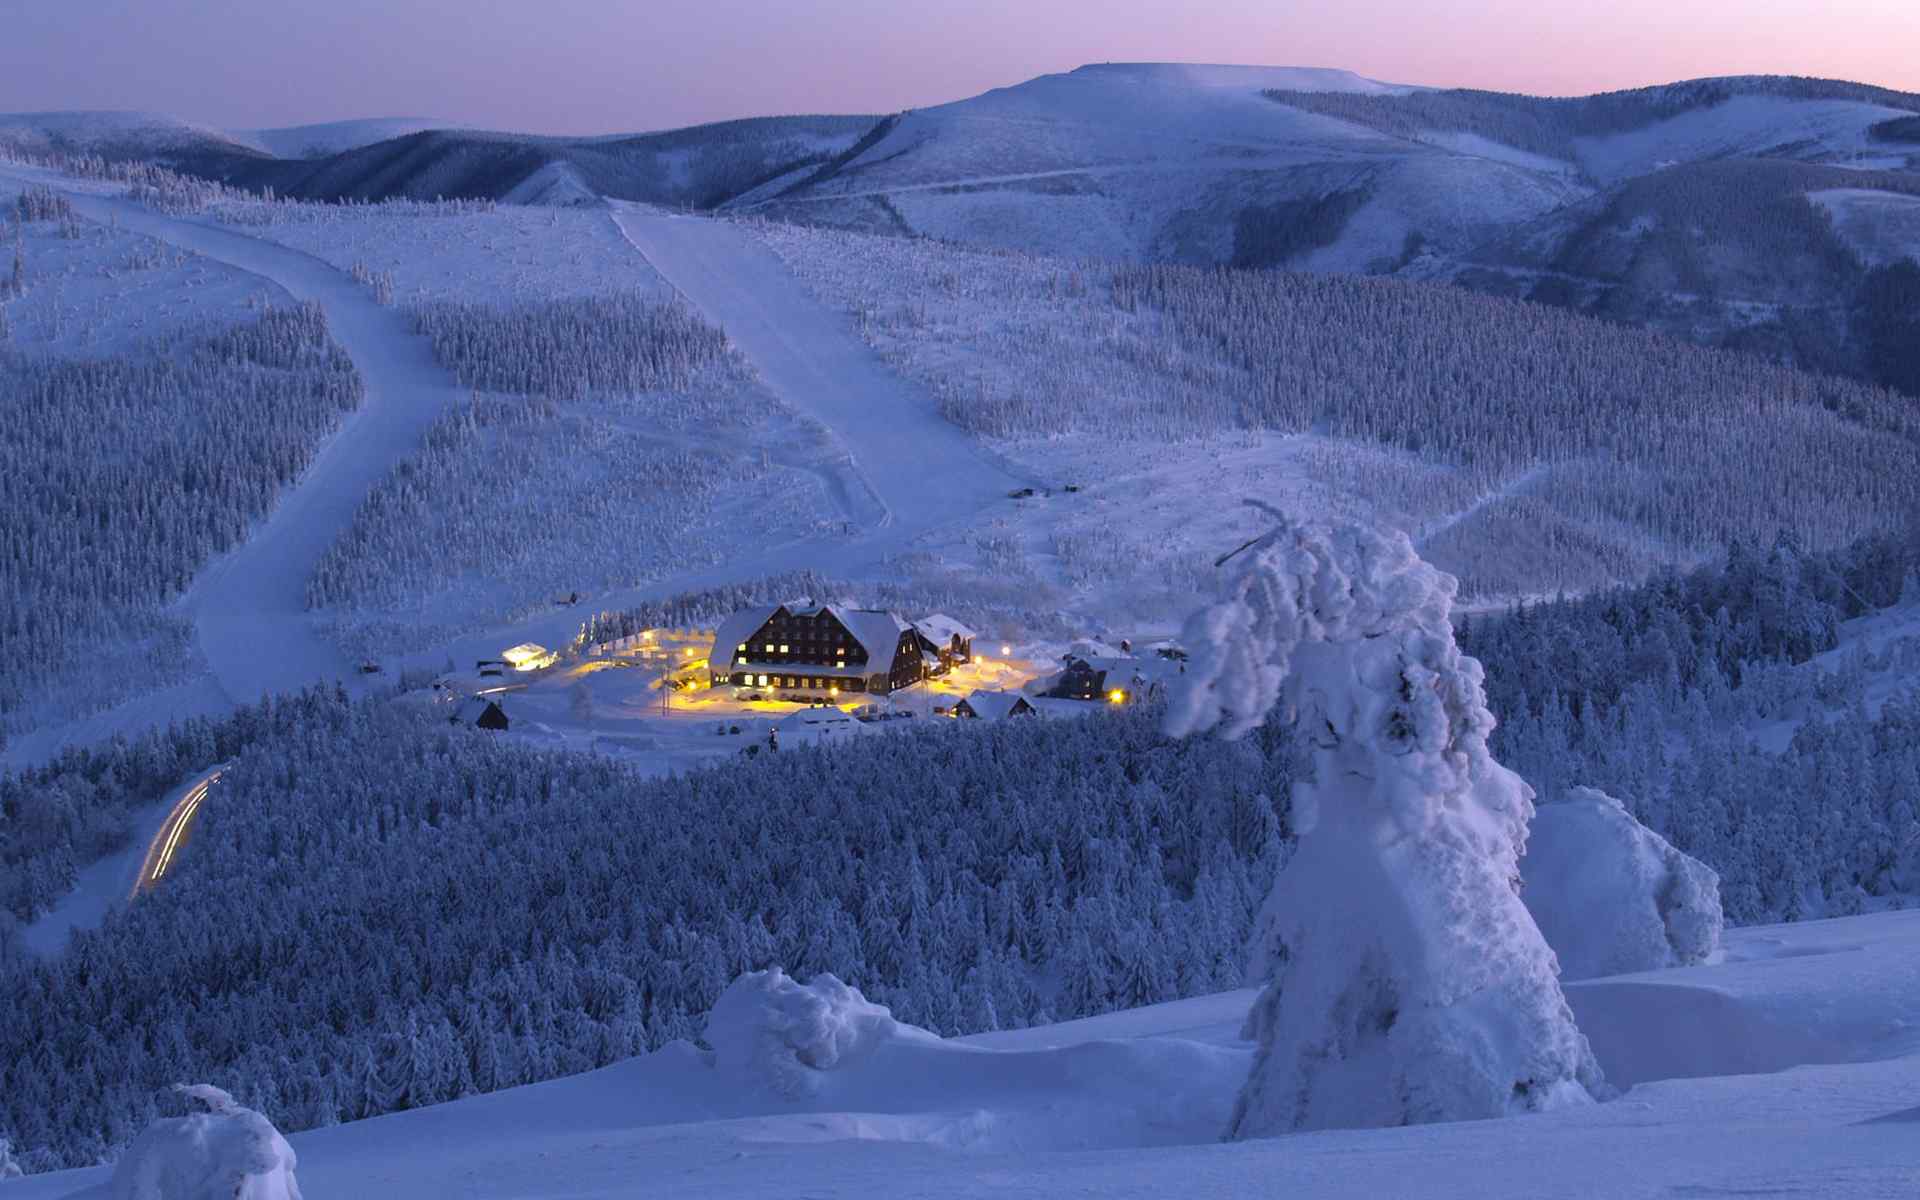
1880, 227
250, 607
1160, 161
119, 135
1120, 1106
1836, 132
335, 137
700, 166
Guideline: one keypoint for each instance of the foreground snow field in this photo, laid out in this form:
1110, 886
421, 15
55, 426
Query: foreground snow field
1130, 1105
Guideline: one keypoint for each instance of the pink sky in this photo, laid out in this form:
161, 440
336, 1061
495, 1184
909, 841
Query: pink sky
598, 66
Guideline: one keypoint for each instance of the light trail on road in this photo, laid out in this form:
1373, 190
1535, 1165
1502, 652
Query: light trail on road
161, 851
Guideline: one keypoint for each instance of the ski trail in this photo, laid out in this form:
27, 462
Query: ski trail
921, 468
249, 606
1510, 488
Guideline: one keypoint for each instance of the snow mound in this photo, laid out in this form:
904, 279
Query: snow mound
785, 1033
782, 1048
1611, 895
223, 1153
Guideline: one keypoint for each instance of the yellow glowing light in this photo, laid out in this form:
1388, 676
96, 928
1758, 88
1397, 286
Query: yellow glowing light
833, 691
528, 656
1117, 696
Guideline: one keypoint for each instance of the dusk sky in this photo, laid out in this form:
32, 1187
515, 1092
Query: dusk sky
601, 66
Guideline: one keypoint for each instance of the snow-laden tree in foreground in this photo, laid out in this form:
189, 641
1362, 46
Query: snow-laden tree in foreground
1613, 896
1406, 981
219, 1152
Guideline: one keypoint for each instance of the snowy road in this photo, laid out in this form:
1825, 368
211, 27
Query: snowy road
99, 887
164, 848
249, 606
921, 468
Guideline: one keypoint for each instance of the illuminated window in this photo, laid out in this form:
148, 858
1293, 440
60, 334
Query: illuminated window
763, 681
743, 647
769, 647
783, 648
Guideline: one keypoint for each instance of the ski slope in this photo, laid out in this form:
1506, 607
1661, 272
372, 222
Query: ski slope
1129, 1105
249, 607
919, 468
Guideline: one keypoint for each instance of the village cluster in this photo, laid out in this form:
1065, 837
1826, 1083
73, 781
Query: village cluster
793, 673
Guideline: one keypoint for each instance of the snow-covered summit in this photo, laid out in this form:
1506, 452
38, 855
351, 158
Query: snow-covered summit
112, 133
335, 137
1238, 76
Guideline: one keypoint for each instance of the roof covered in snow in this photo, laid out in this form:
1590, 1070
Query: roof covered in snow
993, 706
877, 632
943, 629
470, 711
734, 631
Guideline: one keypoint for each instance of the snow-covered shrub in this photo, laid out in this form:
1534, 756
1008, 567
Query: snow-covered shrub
1405, 981
1612, 896
220, 1152
9, 1169
782, 1033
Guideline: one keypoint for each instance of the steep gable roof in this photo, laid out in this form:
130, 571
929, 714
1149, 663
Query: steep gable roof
735, 630
877, 632
943, 629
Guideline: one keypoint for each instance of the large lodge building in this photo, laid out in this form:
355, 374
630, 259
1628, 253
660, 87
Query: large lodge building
828, 651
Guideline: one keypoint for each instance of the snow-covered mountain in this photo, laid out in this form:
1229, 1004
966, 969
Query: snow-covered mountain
335, 137
118, 135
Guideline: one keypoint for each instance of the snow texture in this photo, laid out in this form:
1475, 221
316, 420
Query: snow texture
782, 1034
1407, 982
223, 1153
1612, 896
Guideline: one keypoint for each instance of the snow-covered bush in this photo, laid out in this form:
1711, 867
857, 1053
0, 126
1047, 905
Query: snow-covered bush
1611, 895
1405, 981
9, 1169
220, 1152
782, 1033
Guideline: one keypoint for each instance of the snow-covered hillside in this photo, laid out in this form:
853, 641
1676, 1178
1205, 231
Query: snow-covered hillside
1159, 161
115, 134
1789, 1068
334, 137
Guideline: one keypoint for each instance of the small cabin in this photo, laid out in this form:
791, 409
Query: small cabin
481, 713
994, 706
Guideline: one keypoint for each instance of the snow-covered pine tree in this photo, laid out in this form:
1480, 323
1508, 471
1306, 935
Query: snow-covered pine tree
1406, 982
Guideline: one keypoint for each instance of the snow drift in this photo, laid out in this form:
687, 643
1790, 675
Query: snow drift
1408, 983
225, 1152
1612, 896
781, 1047
784, 1033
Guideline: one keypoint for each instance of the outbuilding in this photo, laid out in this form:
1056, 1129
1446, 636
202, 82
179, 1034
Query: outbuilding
995, 706
481, 713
